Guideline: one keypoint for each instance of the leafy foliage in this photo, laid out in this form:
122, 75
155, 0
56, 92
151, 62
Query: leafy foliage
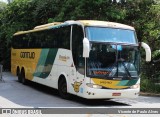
2, 6
46, 9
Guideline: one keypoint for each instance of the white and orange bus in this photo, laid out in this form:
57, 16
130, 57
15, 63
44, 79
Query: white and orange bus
90, 59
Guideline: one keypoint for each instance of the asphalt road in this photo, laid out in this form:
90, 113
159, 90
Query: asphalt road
15, 94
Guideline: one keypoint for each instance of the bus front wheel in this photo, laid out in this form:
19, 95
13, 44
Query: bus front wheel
62, 88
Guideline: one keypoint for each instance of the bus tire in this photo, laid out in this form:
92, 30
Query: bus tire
62, 88
24, 80
19, 77
18, 71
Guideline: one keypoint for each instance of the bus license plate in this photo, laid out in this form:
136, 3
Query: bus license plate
116, 94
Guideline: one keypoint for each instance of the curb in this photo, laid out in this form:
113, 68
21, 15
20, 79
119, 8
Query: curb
149, 94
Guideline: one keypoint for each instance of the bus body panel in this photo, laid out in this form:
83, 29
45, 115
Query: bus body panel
25, 58
114, 84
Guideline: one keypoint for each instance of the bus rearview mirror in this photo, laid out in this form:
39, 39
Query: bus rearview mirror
86, 48
147, 50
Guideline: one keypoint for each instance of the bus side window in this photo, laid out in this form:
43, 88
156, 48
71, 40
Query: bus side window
77, 48
16, 42
64, 37
25, 41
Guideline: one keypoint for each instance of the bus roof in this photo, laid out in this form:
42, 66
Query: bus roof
38, 28
105, 24
79, 22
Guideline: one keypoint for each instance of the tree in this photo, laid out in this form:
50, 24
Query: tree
152, 36
2, 6
13, 18
46, 9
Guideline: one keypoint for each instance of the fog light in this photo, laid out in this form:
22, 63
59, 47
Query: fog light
93, 86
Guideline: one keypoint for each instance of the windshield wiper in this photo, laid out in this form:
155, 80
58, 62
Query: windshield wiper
122, 61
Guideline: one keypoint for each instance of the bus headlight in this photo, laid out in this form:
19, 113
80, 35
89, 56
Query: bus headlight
135, 86
94, 86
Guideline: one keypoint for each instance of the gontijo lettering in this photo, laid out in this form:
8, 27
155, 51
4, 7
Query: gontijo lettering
30, 55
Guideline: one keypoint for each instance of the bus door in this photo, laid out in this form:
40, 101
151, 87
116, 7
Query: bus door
78, 69
77, 74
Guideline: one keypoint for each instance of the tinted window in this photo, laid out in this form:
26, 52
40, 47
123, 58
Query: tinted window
53, 38
102, 34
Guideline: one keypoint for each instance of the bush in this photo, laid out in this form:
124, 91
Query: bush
147, 85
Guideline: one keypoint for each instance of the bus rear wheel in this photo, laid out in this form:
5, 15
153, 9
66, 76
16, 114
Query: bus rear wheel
62, 88
19, 77
24, 80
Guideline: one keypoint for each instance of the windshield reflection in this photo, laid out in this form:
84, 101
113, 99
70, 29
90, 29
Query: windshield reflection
104, 34
111, 60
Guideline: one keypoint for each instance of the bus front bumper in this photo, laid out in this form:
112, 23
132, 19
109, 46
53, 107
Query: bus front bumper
92, 93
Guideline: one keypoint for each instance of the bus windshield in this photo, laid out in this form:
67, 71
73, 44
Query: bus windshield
104, 34
113, 61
